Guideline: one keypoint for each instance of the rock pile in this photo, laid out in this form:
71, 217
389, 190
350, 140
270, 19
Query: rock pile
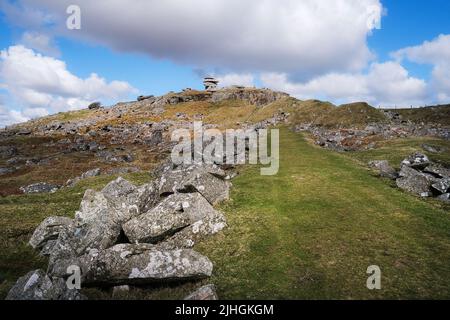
353, 139
129, 235
419, 175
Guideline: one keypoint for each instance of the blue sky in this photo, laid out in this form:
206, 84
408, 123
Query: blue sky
170, 47
409, 23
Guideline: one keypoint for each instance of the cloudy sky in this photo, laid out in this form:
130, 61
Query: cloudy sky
385, 52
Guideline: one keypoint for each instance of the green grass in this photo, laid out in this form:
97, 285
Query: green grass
435, 114
325, 114
309, 232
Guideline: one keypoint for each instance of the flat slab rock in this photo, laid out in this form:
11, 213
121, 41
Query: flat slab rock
172, 214
195, 233
442, 186
438, 171
36, 285
209, 181
139, 264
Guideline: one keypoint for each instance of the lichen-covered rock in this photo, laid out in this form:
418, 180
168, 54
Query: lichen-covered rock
414, 181
40, 187
98, 223
384, 168
36, 285
48, 230
170, 215
438, 170
140, 264
209, 181
195, 233
204, 293
75, 241
416, 160
442, 186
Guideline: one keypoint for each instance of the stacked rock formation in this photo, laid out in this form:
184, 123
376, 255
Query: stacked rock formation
129, 235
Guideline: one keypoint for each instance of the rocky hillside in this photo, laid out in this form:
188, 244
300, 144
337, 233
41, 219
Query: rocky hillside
65, 179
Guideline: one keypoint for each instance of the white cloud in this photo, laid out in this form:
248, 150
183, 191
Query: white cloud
304, 38
231, 79
436, 51
8, 117
43, 85
385, 84
437, 54
40, 42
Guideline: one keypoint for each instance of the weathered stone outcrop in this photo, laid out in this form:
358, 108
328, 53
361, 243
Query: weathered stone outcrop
49, 230
209, 181
414, 181
129, 235
257, 97
169, 216
137, 264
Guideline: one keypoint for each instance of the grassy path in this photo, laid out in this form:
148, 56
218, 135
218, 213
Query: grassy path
311, 232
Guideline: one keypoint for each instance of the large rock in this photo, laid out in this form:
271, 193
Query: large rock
195, 233
119, 201
36, 285
48, 230
416, 160
438, 170
172, 214
414, 181
384, 168
204, 293
442, 186
98, 223
139, 264
209, 181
